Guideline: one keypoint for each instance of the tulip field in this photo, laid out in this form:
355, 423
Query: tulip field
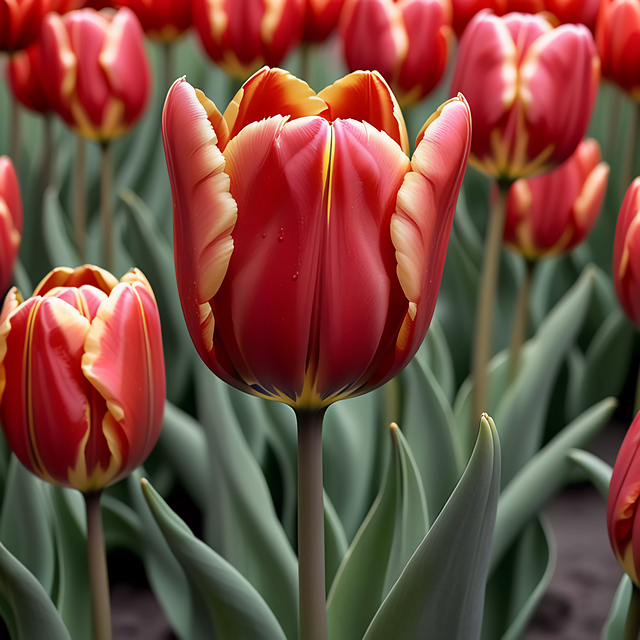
311, 309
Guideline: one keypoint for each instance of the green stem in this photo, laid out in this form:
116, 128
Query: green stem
48, 152
80, 197
313, 608
15, 133
106, 209
167, 64
632, 626
628, 168
614, 123
520, 319
485, 304
98, 575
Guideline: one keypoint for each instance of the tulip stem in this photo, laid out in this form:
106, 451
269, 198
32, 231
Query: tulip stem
48, 151
15, 137
80, 198
98, 576
614, 123
632, 626
520, 319
167, 65
628, 168
106, 210
313, 608
485, 304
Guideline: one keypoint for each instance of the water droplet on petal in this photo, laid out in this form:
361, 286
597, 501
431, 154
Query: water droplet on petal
295, 275
281, 236
264, 235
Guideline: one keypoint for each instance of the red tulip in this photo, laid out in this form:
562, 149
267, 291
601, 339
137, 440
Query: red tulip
617, 36
10, 221
82, 382
27, 80
553, 213
531, 89
64, 6
575, 11
321, 19
163, 20
465, 10
309, 248
98, 67
20, 22
626, 253
408, 42
622, 504
242, 35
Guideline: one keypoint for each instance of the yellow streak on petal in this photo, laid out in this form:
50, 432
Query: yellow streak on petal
628, 564
631, 231
10, 306
135, 276
218, 19
273, 12
594, 185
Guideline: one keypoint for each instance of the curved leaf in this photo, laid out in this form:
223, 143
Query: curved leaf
335, 542
60, 248
596, 470
614, 626
434, 355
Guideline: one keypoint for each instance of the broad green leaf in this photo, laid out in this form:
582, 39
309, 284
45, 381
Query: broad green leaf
242, 523
429, 427
26, 529
596, 470
25, 606
235, 609
391, 532
540, 479
60, 249
440, 594
121, 525
614, 626
335, 542
521, 413
434, 354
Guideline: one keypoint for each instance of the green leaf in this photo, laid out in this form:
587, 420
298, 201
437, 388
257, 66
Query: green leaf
614, 626
25, 606
235, 609
60, 248
335, 542
523, 409
242, 523
121, 525
440, 594
392, 531
596, 470
25, 523
540, 479
434, 354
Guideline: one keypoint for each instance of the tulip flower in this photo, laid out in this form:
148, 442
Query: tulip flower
321, 19
163, 20
408, 42
465, 10
82, 384
64, 6
243, 35
98, 67
531, 89
10, 221
617, 32
28, 83
20, 22
553, 213
575, 11
626, 253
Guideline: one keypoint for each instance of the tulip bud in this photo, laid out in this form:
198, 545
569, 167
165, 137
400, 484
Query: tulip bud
20, 22
64, 6
321, 19
531, 89
243, 35
617, 34
309, 249
27, 80
98, 68
553, 213
575, 11
622, 504
82, 384
626, 253
465, 10
407, 42
163, 20
10, 221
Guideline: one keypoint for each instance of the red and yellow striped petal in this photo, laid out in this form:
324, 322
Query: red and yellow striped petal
87, 274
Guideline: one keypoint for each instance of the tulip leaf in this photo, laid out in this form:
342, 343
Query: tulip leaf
60, 248
242, 523
335, 542
234, 608
25, 524
434, 355
614, 625
521, 413
25, 606
391, 532
440, 594
121, 525
429, 427
597, 470
540, 479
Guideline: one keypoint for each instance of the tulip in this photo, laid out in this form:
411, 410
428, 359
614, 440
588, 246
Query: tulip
321, 19
82, 384
27, 80
163, 20
20, 22
408, 42
626, 253
553, 213
242, 35
617, 32
64, 6
464, 10
575, 11
10, 221
98, 67
531, 89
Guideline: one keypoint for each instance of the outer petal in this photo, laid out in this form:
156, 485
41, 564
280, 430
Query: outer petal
10, 221
124, 362
163, 20
87, 274
321, 19
26, 78
20, 22
465, 10
10, 191
365, 96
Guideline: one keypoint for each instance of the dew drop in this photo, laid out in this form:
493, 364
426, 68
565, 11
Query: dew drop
281, 236
264, 235
295, 275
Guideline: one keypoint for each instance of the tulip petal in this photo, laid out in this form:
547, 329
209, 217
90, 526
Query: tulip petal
10, 191
87, 274
365, 96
